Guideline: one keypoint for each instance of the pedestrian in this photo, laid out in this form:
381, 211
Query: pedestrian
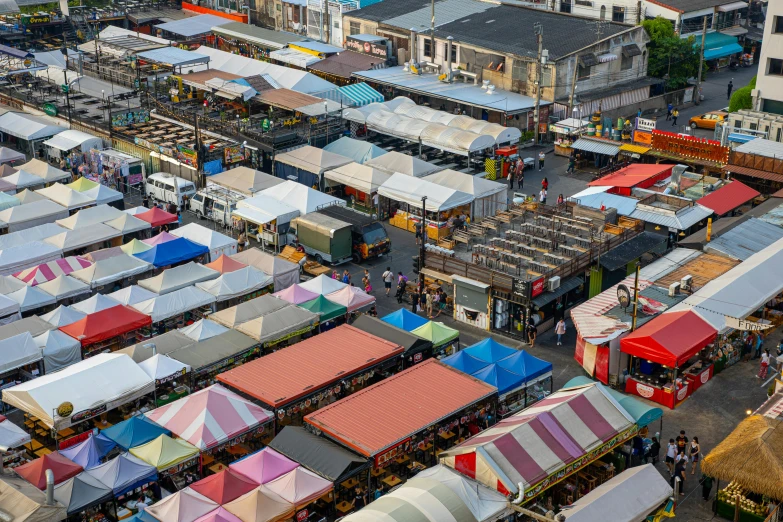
675, 115
542, 196
359, 499
729, 89
531, 334
428, 302
511, 178
560, 330
639, 113
706, 486
764, 365
655, 450
367, 274
669, 112
695, 452
378, 491
367, 285
335, 275
545, 184
388, 277
682, 442
571, 165
671, 453
346, 277
541, 158
417, 228
415, 296
146, 201
679, 472
520, 178
560, 200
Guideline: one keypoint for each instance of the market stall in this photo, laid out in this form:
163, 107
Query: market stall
247, 311
445, 340
32, 214
16, 258
356, 182
26, 503
156, 217
135, 246
63, 316
88, 453
489, 197
397, 162
261, 504
352, 298
10, 156
264, 218
234, 287
176, 309
405, 320
203, 329
65, 289
306, 165
131, 227
160, 238
116, 271
224, 487
83, 240
94, 304
415, 348
327, 311
34, 471
9, 310
45, 171
178, 277
171, 457
32, 301
301, 197
566, 132
323, 285
667, 366
287, 325
131, 295
357, 150
107, 330
21, 180
11, 437
225, 264
20, 358
174, 252
263, 466
244, 180
183, 505
69, 141
83, 494
166, 371
48, 271
125, 474
217, 243
66, 196
301, 487
27, 132
135, 431
295, 294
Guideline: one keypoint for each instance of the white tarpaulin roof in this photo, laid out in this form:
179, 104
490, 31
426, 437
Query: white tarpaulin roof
628, 497
128, 224
302, 198
88, 217
27, 127
131, 295
9, 283
175, 303
30, 234
63, 316
312, 159
18, 351
360, 177
63, 287
236, 284
8, 306
323, 285
112, 269
203, 329
244, 180
106, 378
473, 185
30, 298
740, 291
70, 139
59, 349
173, 279
263, 209
484, 503
19, 257
94, 304
22, 179
65, 196
12, 436
72, 239
410, 190
102, 194
32, 214
294, 57
394, 161
159, 367
204, 236
44, 170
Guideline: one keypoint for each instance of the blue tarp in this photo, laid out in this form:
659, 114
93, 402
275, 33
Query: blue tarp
524, 364
289, 172
134, 431
88, 453
502, 379
361, 94
213, 167
124, 473
489, 351
640, 411
736, 137
405, 320
357, 150
464, 362
172, 252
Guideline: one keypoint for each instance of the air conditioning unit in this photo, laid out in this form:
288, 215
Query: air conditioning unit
674, 289
553, 284
687, 282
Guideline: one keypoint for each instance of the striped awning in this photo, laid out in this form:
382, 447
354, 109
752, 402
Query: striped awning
634, 149
361, 94
596, 146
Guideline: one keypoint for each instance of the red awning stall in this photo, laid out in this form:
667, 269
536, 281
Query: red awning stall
112, 328
662, 349
636, 175
157, 217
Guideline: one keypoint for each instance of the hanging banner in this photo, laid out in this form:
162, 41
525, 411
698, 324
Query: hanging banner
234, 154
745, 325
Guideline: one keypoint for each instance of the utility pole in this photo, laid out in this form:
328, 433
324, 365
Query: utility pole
539, 30
701, 62
639, 12
635, 297
423, 240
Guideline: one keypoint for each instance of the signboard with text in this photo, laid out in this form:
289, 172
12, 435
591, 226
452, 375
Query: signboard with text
645, 124
642, 137
690, 146
377, 49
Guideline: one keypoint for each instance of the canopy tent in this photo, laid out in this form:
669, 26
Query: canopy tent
628, 497
489, 351
356, 150
131, 295
218, 515
437, 333
322, 285
223, 347
405, 320
247, 311
135, 246
244, 180
19, 257
113, 269
300, 486
217, 243
63, 316
377, 327
326, 309
394, 161
351, 298
560, 429
94, 304
89, 452
261, 505
318, 454
44, 170
48, 271
183, 506
203, 329
68, 140
210, 417
176, 278
83, 237
103, 195
11, 436
301, 197
159, 367
224, 487
489, 196
8, 307
261, 209
135, 211
27, 127
225, 264
263, 466
114, 380
172, 252
284, 273
83, 184
33, 325
175, 303
6, 170
670, 339
643, 414
502, 379
25, 503
59, 350
31, 298
163, 452
64, 287
108, 323
157, 217
81, 492
7, 201
278, 324
22, 180
236, 284
124, 473
409, 190
34, 471
360, 177
307, 164
128, 224
65, 196
135, 431
32, 214
465, 362
9, 155
162, 237
35, 233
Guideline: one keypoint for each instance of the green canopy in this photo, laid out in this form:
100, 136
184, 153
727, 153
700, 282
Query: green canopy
437, 333
327, 309
642, 413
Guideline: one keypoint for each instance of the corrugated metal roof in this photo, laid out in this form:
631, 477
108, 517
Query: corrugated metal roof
173, 56
596, 146
632, 175
622, 254
565, 287
257, 35
728, 197
746, 239
762, 147
308, 366
193, 26
638, 149
386, 413
774, 216
669, 263
682, 220
702, 269
625, 206
446, 11
754, 173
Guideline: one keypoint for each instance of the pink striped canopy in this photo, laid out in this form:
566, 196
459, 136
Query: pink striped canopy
541, 440
210, 417
52, 270
163, 237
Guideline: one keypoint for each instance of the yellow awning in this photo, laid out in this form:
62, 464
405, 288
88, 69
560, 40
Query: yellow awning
638, 149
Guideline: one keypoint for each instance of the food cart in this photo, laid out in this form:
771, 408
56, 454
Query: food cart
566, 132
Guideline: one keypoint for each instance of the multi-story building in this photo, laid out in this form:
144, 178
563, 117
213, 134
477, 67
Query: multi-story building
768, 95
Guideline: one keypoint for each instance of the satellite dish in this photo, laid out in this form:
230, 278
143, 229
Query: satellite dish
623, 295
65, 409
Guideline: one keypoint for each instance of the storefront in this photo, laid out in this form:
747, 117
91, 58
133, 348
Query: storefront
566, 133
700, 154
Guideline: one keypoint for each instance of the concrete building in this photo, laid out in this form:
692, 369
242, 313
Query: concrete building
768, 96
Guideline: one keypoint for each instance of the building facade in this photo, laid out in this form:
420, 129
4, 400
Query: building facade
768, 95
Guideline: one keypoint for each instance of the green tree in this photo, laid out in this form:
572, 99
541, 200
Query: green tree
742, 98
670, 57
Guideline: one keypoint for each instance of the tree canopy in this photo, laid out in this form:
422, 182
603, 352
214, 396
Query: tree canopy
670, 55
742, 98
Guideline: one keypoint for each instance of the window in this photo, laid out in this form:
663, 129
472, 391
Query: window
428, 48
519, 71
454, 49
626, 63
696, 24
584, 73
602, 16
337, 24
775, 67
618, 14
355, 28
777, 26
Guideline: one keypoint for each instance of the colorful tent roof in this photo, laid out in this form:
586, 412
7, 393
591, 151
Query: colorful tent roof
670, 339
295, 294
134, 432
728, 197
502, 379
106, 324
641, 411
489, 350
134, 246
51, 270
300, 486
82, 184
436, 332
261, 505
203, 329
325, 308
165, 452
524, 364
464, 362
405, 320
34, 471
88, 453
224, 487
183, 506
172, 252
163, 237
323, 285
225, 264
81, 492
157, 217
218, 515
210, 417
352, 298
124, 473
542, 441
263, 466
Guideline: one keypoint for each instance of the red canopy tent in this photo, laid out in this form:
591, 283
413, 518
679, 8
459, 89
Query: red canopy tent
34, 472
670, 339
157, 217
106, 324
224, 487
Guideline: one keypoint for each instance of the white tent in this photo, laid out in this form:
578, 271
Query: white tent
28, 196
65, 196
490, 196
136, 210
31, 298
106, 379
12, 436
360, 177
127, 224
9, 155
9, 283
112, 269
285, 273
17, 351
302, 198
9, 310
131, 295
323, 285
394, 161
102, 195
22, 180
262, 209
312, 159
34, 253
59, 350
173, 304
628, 497
70, 240
409, 190
94, 304
45, 171
159, 367
38, 233
484, 503
74, 139
64, 287
32, 214
236, 284
245, 180
27, 127
173, 279
203, 329
217, 243
91, 216
63, 316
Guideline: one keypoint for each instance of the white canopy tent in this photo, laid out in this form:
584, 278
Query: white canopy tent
360, 177
63, 316
115, 268
94, 304
90, 216
66, 196
102, 195
32, 214
217, 243
173, 279
70, 240
73, 139
9, 310
59, 350
12, 436
28, 127
9, 155
245, 180
9, 283
16, 258
285, 273
394, 161
128, 224
105, 379
130, 295
312, 160
300, 197
28, 196
17, 351
263, 209
176, 303
203, 329
45, 171
485, 504
236, 284
490, 196
159, 367
409, 190
31, 298
64, 287
323, 285
22, 179
37, 233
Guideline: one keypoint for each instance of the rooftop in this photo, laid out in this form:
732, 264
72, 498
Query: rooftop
632, 175
703, 269
632, 249
345, 63
728, 197
686, 6
762, 147
257, 35
746, 239
417, 13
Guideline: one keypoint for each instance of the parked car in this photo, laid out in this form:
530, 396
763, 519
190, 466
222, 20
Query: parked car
215, 203
169, 188
708, 120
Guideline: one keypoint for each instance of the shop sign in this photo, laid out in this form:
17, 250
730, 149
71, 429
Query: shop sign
289, 336
520, 288
644, 391
36, 20
417, 357
76, 439
371, 48
538, 287
187, 156
302, 515
645, 124
641, 137
385, 458
233, 154
171, 377
683, 392
50, 109
87, 414
690, 146
745, 325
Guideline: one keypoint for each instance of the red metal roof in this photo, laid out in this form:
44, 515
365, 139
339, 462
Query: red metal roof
754, 173
305, 367
728, 197
386, 413
670, 339
633, 175
106, 324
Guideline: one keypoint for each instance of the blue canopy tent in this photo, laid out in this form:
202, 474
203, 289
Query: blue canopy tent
464, 362
719, 45
641, 412
88, 453
357, 150
502, 379
125, 473
489, 350
134, 432
172, 252
537, 374
405, 320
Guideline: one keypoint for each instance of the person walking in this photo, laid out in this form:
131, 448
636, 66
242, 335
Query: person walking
531, 334
346, 277
521, 178
682, 442
655, 449
571, 165
679, 472
639, 113
428, 300
764, 365
729, 88
669, 112
545, 184
706, 486
695, 452
388, 278
560, 200
560, 330
675, 115
511, 177
541, 158
671, 453
542, 196
415, 300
